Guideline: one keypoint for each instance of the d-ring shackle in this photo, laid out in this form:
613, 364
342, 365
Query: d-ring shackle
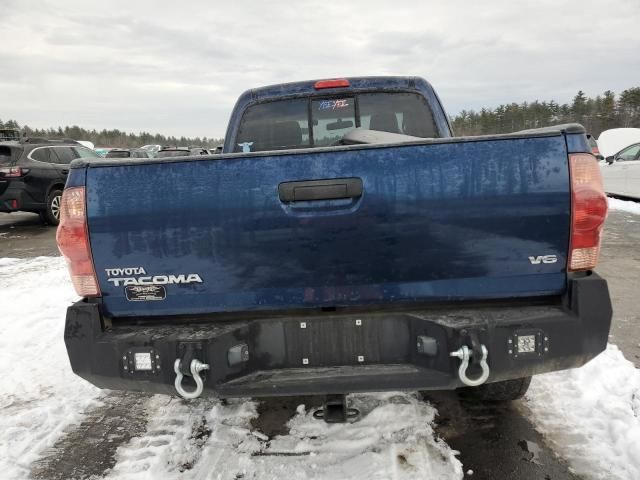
463, 353
196, 367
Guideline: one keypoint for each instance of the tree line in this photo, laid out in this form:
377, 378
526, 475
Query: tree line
596, 114
112, 138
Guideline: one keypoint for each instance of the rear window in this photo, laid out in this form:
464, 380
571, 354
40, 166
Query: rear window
279, 125
6, 155
332, 119
405, 113
285, 124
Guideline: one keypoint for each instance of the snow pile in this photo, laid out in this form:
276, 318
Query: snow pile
206, 439
39, 394
624, 205
591, 415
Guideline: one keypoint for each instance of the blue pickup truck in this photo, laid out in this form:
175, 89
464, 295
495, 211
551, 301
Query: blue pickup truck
344, 241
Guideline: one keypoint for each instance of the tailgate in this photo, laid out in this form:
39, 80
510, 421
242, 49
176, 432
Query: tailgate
482, 219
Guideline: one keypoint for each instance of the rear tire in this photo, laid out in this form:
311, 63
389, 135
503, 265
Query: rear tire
51, 215
504, 391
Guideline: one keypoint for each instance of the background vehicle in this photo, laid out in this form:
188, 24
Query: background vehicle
166, 152
9, 134
152, 150
614, 140
87, 143
33, 173
621, 173
396, 257
102, 151
127, 153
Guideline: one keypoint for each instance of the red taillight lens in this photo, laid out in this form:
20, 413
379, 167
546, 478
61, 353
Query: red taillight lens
335, 83
13, 172
588, 211
73, 241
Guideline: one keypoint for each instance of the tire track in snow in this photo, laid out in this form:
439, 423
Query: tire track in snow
210, 439
88, 449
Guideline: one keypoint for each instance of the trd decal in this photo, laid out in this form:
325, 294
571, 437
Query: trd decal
333, 104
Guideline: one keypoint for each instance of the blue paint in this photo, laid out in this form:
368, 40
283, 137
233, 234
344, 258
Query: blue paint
577, 143
437, 221
76, 178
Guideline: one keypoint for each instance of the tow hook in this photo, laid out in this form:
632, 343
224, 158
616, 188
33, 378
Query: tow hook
464, 353
195, 368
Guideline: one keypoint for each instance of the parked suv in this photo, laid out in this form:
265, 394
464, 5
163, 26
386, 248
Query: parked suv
33, 173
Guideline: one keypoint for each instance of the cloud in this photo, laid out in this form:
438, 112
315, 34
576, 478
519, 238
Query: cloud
177, 67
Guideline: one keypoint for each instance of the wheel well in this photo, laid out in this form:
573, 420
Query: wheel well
57, 186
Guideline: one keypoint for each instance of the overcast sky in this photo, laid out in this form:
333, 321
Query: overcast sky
176, 67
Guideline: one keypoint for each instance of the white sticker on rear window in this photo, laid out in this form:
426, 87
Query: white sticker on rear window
245, 146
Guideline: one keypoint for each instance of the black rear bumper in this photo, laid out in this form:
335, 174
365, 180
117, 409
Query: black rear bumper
326, 352
14, 197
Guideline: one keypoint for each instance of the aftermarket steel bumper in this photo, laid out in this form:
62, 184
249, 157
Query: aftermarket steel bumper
331, 352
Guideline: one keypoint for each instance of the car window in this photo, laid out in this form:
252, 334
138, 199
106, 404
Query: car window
6, 155
83, 152
274, 126
404, 113
41, 154
63, 155
630, 153
284, 124
332, 119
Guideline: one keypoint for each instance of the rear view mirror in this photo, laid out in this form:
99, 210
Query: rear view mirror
610, 159
339, 125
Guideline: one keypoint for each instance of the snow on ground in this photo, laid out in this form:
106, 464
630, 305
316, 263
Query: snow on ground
624, 205
39, 395
209, 440
591, 415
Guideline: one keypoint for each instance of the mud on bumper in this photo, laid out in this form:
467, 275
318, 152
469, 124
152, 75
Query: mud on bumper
324, 353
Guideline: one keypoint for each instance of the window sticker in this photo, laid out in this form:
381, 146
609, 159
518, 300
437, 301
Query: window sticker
245, 146
333, 104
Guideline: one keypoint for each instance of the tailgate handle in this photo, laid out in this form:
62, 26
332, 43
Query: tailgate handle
330, 189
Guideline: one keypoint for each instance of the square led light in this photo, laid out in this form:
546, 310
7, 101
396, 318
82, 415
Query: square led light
142, 361
526, 344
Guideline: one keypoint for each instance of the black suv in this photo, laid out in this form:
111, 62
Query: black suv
33, 172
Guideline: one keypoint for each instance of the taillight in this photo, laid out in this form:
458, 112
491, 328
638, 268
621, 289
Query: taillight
13, 172
335, 83
73, 241
588, 211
